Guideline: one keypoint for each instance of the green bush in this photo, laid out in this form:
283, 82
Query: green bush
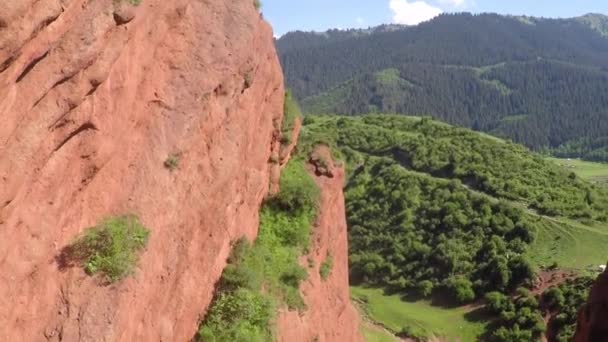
425, 288
240, 316
414, 333
111, 248
257, 4
268, 271
298, 191
326, 267
461, 289
172, 162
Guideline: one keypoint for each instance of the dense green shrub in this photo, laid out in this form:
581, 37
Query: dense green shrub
425, 288
240, 316
477, 71
407, 230
518, 318
565, 300
266, 274
414, 333
110, 248
461, 289
298, 190
497, 168
326, 267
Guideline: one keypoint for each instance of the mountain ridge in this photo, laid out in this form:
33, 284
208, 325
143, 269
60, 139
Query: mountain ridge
469, 70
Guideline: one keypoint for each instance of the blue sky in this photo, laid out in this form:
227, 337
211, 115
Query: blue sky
320, 15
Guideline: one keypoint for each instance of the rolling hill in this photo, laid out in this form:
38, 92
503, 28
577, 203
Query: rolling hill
539, 82
444, 217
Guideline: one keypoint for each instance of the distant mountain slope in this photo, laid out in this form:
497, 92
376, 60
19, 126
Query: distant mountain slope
540, 82
451, 215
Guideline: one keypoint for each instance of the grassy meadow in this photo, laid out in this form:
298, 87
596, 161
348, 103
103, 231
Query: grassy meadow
375, 334
397, 314
594, 172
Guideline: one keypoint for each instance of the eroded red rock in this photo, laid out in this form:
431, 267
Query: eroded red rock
90, 109
593, 316
330, 315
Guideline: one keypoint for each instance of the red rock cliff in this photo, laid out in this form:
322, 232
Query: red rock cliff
94, 96
593, 317
330, 316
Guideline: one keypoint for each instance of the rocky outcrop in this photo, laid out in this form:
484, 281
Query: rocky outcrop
330, 316
593, 316
94, 97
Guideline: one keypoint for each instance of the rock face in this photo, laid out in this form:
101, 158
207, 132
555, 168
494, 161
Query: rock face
94, 96
330, 315
593, 317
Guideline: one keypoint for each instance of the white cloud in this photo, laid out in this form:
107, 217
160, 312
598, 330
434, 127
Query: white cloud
413, 13
360, 20
453, 3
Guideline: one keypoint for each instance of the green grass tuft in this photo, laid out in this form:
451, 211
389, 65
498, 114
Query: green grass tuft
111, 248
373, 334
291, 113
131, 2
326, 267
266, 274
172, 162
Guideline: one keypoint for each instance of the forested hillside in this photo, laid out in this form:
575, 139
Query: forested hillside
436, 211
540, 82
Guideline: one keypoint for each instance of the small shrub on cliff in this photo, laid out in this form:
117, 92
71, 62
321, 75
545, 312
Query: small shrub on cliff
111, 248
257, 4
298, 191
291, 113
131, 2
265, 274
240, 316
172, 162
326, 267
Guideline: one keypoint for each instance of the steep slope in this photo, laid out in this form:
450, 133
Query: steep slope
330, 315
446, 220
593, 317
510, 76
94, 97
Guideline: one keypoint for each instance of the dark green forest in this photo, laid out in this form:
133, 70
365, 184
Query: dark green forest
440, 212
539, 82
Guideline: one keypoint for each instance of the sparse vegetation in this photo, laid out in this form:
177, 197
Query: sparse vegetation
266, 274
172, 162
451, 215
374, 334
326, 267
257, 4
110, 248
131, 2
292, 113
